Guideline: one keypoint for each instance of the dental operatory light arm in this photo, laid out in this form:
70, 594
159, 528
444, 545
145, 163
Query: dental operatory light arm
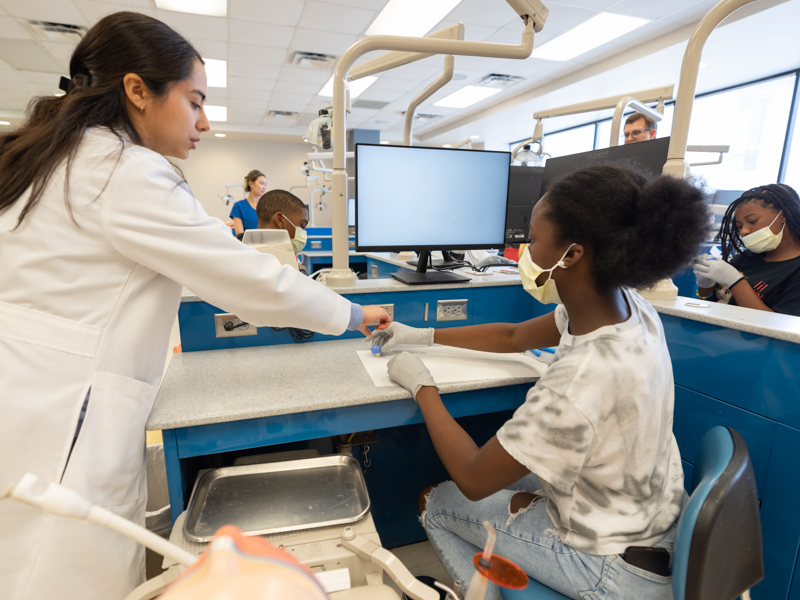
630, 102
658, 94
687, 85
719, 149
441, 81
533, 13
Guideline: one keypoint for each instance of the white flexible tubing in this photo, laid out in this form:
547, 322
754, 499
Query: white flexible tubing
64, 502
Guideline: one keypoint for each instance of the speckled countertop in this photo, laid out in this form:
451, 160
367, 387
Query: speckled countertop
758, 322
372, 286
215, 386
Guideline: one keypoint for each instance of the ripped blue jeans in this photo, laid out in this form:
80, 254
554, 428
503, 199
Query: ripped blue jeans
455, 529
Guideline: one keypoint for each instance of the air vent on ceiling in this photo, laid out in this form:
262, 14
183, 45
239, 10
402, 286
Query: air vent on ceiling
314, 60
499, 80
57, 32
283, 114
425, 116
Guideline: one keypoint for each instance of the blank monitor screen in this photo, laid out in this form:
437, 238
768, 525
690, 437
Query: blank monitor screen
351, 212
416, 198
649, 157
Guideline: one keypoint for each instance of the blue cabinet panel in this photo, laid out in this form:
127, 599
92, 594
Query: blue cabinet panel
695, 414
507, 304
760, 374
780, 519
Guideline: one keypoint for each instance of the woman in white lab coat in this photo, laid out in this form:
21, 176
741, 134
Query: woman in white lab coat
97, 235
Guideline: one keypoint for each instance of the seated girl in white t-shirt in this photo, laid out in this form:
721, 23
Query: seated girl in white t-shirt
587, 471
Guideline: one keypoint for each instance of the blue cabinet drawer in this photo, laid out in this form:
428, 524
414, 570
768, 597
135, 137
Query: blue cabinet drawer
695, 414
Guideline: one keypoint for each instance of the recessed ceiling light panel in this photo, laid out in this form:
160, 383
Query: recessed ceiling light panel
216, 72
357, 87
211, 8
410, 17
216, 113
591, 34
467, 96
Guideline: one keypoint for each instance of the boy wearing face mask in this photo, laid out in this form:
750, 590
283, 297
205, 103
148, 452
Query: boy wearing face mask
760, 238
279, 209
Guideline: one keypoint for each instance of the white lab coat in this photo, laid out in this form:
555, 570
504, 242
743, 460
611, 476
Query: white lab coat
87, 307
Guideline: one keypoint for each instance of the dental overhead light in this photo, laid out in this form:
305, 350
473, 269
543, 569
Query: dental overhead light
319, 130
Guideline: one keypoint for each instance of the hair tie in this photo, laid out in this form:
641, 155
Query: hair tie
79, 80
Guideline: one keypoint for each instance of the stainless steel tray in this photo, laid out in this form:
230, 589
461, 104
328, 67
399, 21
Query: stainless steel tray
277, 497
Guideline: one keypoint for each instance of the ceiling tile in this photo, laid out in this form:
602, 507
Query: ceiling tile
376, 5
416, 72
254, 95
302, 75
482, 12
63, 11
28, 55
320, 41
561, 21
256, 54
335, 18
649, 10
248, 70
293, 102
94, 11
690, 14
211, 49
195, 27
61, 52
260, 34
250, 83
472, 32
247, 105
10, 28
558, 5
292, 87
216, 96
274, 12
386, 83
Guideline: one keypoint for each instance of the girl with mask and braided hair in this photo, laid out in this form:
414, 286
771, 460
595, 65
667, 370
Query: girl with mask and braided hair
760, 266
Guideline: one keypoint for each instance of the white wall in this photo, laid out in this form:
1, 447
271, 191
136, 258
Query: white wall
217, 162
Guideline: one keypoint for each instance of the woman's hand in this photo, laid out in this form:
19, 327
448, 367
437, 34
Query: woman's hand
374, 314
718, 271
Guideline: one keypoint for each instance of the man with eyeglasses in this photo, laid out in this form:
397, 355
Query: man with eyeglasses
639, 128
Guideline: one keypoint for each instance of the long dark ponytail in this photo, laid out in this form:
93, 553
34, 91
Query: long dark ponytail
121, 43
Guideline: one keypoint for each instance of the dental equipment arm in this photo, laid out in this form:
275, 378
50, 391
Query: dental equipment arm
534, 14
440, 82
387, 561
687, 85
721, 149
64, 502
624, 103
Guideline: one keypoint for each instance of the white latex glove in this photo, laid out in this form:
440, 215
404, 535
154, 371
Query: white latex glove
702, 280
398, 334
718, 271
409, 371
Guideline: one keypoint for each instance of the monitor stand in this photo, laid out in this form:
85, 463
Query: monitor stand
423, 276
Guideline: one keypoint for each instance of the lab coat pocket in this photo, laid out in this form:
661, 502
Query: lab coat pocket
107, 462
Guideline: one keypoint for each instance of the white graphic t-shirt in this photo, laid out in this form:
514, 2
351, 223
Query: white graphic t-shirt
597, 430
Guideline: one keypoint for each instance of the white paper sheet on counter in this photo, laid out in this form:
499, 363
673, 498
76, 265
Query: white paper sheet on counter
450, 365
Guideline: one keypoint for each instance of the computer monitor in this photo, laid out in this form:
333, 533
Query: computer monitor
351, 212
648, 157
425, 199
524, 191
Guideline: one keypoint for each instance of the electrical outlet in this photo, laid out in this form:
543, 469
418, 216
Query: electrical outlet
389, 308
228, 325
451, 310
316, 244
